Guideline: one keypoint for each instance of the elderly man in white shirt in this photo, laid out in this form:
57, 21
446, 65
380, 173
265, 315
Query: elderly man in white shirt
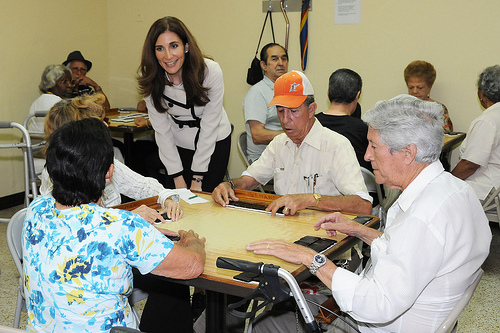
436, 235
479, 163
312, 166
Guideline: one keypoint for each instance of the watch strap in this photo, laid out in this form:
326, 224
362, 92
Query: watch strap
318, 198
319, 260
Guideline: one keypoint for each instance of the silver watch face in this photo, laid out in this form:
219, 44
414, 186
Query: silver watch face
320, 259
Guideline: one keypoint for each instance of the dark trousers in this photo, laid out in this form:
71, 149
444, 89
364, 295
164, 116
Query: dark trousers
146, 160
168, 308
216, 168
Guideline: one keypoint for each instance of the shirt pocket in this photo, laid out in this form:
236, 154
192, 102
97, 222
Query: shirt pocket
279, 179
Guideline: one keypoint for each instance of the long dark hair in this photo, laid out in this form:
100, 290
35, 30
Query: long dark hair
152, 78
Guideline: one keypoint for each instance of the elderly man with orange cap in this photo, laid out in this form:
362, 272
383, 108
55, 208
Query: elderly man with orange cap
312, 166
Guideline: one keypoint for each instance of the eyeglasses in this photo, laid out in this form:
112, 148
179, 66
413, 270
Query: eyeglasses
79, 69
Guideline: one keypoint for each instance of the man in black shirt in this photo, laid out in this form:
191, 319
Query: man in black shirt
344, 90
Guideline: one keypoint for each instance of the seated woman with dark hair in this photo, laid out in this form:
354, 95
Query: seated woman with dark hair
344, 89
78, 255
125, 181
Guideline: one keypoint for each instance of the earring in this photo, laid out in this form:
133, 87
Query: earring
186, 51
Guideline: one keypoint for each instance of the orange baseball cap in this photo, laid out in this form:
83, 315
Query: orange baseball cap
291, 90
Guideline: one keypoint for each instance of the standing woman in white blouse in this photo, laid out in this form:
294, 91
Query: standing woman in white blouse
184, 91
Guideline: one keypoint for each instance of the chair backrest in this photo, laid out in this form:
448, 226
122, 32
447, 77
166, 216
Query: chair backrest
490, 198
14, 239
491, 205
137, 295
449, 323
242, 147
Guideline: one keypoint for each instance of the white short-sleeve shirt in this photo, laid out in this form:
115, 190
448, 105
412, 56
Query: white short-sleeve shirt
482, 146
323, 154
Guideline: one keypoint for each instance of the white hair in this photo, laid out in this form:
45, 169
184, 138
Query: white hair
51, 74
405, 120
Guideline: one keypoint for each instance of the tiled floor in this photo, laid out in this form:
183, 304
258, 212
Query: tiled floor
481, 315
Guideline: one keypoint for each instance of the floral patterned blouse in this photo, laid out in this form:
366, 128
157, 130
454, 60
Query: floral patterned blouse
78, 265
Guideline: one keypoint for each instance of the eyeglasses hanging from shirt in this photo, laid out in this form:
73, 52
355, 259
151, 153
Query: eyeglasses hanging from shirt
311, 182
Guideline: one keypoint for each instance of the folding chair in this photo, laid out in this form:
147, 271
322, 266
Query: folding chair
242, 148
228, 177
137, 296
14, 242
30, 187
491, 205
450, 324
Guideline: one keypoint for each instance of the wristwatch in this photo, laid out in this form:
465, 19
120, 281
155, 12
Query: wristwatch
317, 197
318, 261
198, 179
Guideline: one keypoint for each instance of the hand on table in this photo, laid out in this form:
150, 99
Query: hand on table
190, 238
336, 222
290, 252
167, 232
292, 203
149, 214
141, 122
222, 193
173, 209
